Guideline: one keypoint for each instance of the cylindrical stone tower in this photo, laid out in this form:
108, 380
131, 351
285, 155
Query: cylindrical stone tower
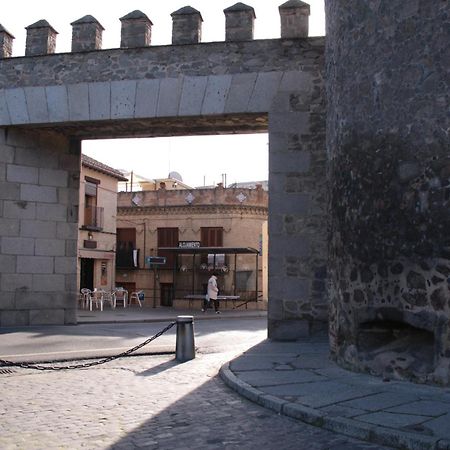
388, 142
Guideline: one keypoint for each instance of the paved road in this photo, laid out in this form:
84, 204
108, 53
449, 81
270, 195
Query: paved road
152, 402
59, 342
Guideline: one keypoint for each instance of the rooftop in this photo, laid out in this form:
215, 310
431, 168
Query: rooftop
87, 161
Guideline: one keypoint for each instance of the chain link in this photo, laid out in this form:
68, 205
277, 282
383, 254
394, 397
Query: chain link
24, 365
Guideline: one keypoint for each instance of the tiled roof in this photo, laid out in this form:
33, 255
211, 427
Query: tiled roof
87, 161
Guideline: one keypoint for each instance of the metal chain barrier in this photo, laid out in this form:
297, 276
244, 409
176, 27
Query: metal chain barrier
24, 365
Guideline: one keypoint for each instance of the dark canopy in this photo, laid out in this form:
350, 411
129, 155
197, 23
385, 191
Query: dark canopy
210, 250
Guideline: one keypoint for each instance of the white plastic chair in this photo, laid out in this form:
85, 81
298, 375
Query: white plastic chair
85, 297
109, 297
135, 296
120, 295
97, 297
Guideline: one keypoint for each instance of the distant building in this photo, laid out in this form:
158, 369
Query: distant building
197, 231
137, 182
264, 184
250, 185
97, 224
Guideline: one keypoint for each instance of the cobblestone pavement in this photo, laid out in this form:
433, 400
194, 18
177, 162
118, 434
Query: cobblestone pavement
149, 402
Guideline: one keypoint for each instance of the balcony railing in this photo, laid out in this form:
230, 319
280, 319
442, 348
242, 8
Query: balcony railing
93, 217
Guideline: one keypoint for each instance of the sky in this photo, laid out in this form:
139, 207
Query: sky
200, 160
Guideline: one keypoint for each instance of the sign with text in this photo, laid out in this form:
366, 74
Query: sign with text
188, 244
155, 260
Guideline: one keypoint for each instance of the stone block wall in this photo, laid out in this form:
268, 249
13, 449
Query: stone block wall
388, 142
298, 302
39, 178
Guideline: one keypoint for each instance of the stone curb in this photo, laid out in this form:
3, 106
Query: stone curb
168, 319
352, 428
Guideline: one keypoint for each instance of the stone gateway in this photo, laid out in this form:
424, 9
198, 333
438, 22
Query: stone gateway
50, 102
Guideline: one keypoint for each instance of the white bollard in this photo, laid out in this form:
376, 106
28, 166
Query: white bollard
185, 347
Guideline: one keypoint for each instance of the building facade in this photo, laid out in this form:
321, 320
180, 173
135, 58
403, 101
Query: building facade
176, 225
97, 224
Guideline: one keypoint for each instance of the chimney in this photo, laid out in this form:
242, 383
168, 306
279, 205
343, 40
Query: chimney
294, 15
86, 34
239, 22
136, 30
186, 26
41, 39
6, 42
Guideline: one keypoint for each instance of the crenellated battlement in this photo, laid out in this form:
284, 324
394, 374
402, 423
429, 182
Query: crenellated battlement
136, 29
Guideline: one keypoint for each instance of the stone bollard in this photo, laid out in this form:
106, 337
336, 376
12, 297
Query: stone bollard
185, 348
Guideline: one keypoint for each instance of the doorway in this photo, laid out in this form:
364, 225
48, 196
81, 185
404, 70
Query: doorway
166, 294
87, 273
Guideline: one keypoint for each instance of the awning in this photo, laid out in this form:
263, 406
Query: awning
210, 250
96, 254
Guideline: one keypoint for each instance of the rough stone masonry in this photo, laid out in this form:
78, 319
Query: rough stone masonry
388, 125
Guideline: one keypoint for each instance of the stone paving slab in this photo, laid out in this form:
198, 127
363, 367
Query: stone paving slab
259, 362
423, 407
380, 401
342, 411
440, 426
261, 378
395, 413
391, 420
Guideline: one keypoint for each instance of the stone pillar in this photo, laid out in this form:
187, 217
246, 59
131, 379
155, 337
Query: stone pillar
86, 34
41, 39
388, 144
6, 42
136, 30
294, 16
239, 22
39, 198
298, 304
186, 26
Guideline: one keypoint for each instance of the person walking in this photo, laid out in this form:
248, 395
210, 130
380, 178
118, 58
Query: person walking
212, 294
